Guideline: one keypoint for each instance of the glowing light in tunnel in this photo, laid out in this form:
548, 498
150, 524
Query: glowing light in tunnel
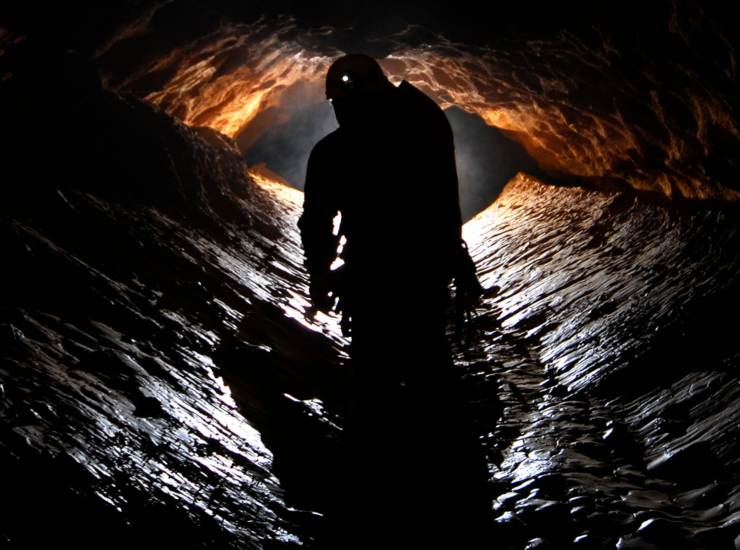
276, 186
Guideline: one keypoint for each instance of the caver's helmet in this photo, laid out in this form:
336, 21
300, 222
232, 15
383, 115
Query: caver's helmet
358, 91
354, 75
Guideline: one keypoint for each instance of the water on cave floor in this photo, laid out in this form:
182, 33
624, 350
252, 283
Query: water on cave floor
602, 371
602, 374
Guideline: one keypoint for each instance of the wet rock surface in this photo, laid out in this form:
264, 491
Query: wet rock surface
159, 385
617, 377
604, 425
163, 404
146, 293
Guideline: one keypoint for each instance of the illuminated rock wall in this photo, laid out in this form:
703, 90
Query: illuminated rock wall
599, 110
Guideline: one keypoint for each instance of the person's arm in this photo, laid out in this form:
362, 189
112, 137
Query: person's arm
468, 289
316, 226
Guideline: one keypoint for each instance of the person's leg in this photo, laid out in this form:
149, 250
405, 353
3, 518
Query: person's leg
413, 468
369, 482
448, 461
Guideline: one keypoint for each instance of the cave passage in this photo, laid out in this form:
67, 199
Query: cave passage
160, 383
486, 158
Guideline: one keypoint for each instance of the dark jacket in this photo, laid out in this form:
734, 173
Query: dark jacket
395, 183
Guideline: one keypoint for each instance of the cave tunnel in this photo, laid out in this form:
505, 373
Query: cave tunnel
161, 383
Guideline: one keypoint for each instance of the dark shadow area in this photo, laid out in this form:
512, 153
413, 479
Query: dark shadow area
297, 402
362, 459
698, 338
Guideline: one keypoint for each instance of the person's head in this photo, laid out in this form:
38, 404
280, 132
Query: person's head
353, 83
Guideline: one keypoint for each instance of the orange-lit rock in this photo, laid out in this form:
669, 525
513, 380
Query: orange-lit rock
573, 113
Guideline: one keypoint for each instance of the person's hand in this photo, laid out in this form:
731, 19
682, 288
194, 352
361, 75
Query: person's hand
468, 289
468, 292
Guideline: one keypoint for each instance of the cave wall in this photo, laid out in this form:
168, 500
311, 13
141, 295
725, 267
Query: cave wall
154, 314
133, 306
622, 96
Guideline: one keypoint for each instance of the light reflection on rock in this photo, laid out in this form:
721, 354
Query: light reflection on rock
616, 407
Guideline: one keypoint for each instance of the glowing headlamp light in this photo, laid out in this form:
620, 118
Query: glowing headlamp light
346, 81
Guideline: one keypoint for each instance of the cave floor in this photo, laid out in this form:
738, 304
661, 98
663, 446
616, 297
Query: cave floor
604, 422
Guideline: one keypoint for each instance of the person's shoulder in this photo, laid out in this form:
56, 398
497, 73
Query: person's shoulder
329, 143
412, 92
424, 106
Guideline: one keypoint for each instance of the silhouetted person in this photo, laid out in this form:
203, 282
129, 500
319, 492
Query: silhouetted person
413, 465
